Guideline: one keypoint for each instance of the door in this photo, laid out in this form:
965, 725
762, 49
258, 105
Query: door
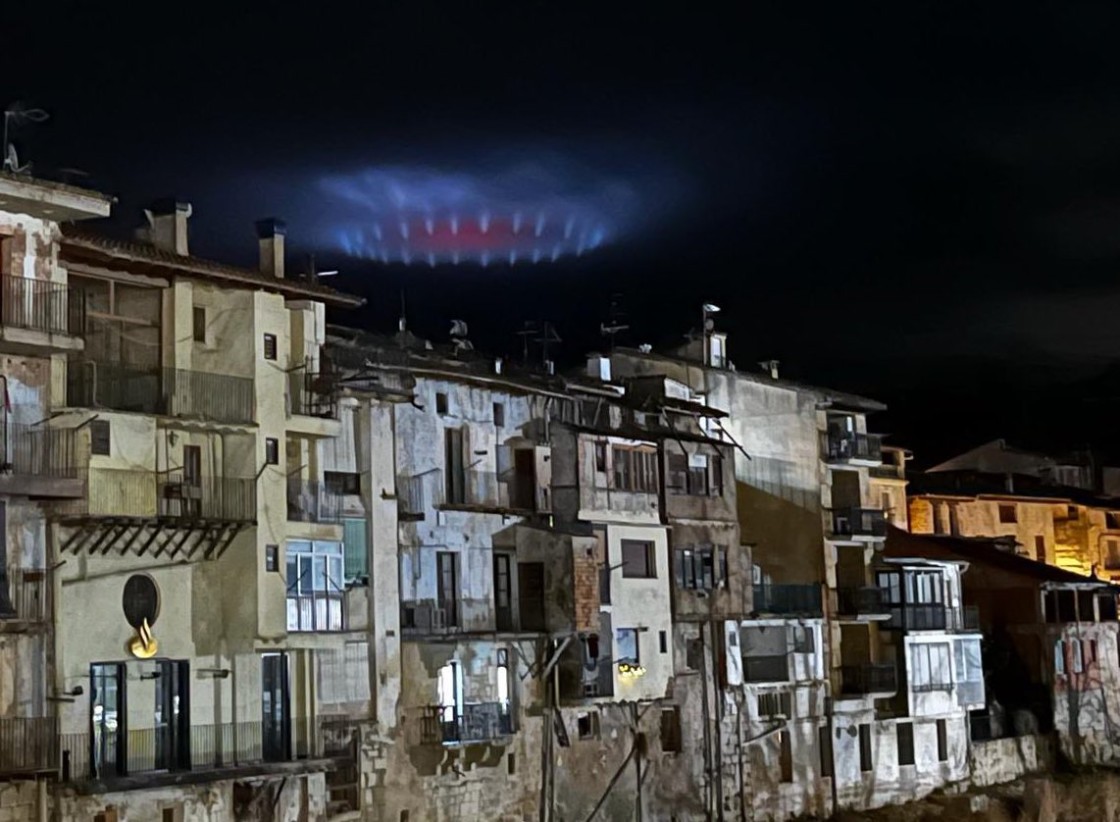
275, 718
172, 715
107, 720
447, 587
455, 480
7, 608
523, 494
530, 584
503, 594
192, 481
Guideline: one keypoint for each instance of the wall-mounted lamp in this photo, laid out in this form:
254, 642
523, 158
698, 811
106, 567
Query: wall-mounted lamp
149, 675
68, 696
215, 673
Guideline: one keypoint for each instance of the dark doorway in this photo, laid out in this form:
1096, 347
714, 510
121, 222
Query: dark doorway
107, 720
172, 719
455, 478
275, 718
503, 593
530, 584
522, 494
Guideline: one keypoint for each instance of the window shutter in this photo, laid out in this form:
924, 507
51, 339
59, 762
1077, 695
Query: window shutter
356, 548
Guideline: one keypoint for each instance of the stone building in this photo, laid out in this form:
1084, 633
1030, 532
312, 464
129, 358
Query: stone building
197, 590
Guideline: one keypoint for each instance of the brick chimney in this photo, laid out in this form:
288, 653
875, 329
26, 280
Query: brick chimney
270, 235
167, 224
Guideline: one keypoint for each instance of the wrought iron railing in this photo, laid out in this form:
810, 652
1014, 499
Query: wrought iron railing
313, 394
313, 501
930, 617
478, 722
170, 391
787, 599
869, 678
40, 305
863, 601
25, 596
858, 522
848, 445
135, 493
37, 450
428, 617
28, 744
107, 753
224, 499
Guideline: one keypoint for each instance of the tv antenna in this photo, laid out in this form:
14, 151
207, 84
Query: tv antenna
541, 332
16, 115
615, 323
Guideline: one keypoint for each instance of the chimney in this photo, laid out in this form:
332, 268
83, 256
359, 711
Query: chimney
599, 367
167, 225
270, 235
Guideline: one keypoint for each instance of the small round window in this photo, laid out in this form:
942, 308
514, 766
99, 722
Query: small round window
140, 600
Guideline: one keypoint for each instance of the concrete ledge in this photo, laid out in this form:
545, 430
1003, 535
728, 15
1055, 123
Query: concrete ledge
148, 781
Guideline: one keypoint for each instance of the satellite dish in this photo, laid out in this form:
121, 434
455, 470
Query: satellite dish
11, 162
458, 328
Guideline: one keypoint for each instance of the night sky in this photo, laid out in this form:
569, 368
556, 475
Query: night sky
919, 201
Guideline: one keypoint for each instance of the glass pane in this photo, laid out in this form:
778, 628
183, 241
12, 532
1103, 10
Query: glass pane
319, 582
299, 547
626, 645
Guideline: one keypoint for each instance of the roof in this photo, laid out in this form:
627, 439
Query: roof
996, 457
978, 550
827, 395
98, 249
925, 485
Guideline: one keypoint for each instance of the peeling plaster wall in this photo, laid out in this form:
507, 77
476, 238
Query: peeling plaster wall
997, 761
1087, 703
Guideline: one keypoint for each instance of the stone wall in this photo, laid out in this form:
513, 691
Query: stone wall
1005, 760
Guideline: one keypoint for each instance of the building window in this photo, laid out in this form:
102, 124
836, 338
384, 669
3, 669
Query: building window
635, 469
626, 646
786, 756
1077, 661
315, 585
1007, 513
663, 641
942, 741
637, 559
272, 558
904, 731
695, 474
773, 705
587, 724
270, 346
930, 667
1112, 554
343, 482
865, 763
355, 550
1059, 657
600, 457
824, 746
441, 403
702, 569
271, 451
1040, 548
447, 586
804, 639
199, 324
99, 438
499, 415
671, 730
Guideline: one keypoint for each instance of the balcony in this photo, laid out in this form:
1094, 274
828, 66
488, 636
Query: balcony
864, 602
857, 524
485, 491
28, 745
850, 448
869, 679
155, 753
313, 394
317, 612
787, 599
38, 461
25, 599
313, 502
37, 313
171, 392
931, 617
427, 617
478, 722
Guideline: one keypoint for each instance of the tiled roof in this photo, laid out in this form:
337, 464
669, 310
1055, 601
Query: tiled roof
85, 246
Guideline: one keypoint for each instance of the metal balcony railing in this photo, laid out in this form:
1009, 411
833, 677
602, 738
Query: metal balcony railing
858, 522
869, 678
848, 445
787, 599
36, 450
313, 501
39, 305
25, 597
313, 394
222, 499
478, 722
773, 668
417, 493
930, 617
28, 745
108, 754
429, 617
169, 391
864, 601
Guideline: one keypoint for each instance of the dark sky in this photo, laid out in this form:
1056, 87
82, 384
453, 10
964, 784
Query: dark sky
915, 200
